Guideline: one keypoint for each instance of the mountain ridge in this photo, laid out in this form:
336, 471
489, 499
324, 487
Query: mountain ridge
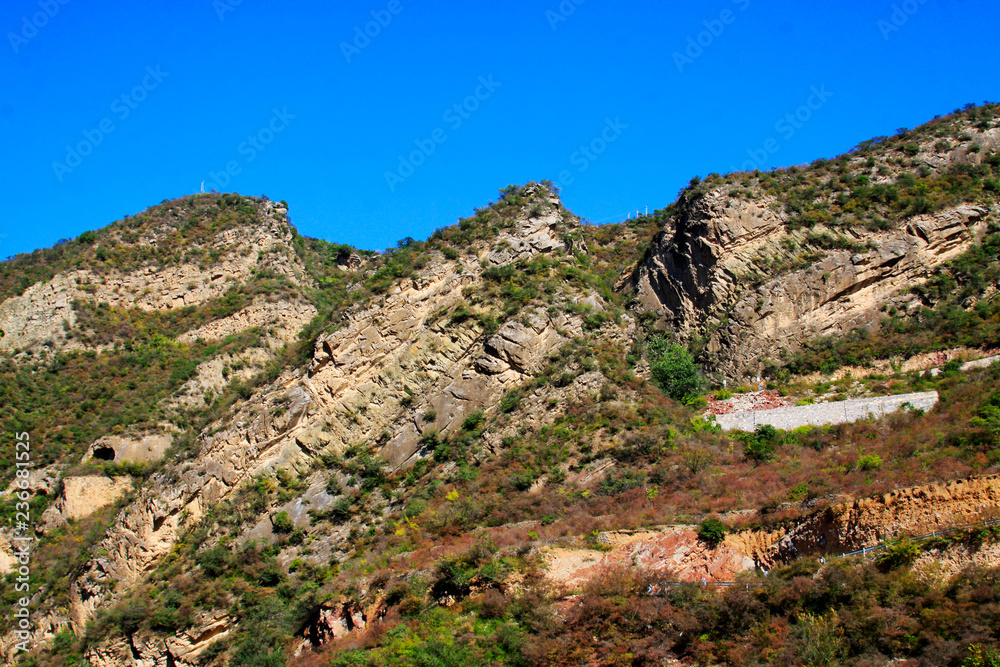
339, 426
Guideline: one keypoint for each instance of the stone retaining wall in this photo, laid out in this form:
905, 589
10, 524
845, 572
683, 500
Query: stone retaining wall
821, 414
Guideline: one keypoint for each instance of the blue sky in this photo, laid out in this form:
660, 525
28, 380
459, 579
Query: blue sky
161, 96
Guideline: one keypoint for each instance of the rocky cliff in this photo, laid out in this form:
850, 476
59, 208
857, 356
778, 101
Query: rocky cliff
400, 367
746, 266
256, 444
867, 522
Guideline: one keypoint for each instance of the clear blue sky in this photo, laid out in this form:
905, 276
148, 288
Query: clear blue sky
560, 81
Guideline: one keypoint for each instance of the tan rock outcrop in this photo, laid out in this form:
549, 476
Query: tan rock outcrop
866, 522
183, 649
8, 563
145, 449
82, 496
288, 318
703, 276
44, 313
383, 370
677, 553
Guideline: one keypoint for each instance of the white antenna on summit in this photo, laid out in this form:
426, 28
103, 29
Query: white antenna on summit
203, 186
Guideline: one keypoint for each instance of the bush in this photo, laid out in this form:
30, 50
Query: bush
759, 452
821, 639
988, 416
473, 421
712, 531
982, 656
869, 462
617, 483
898, 553
215, 561
338, 512
282, 523
510, 401
760, 446
673, 370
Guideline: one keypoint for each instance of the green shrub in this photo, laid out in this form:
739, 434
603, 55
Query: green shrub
673, 370
761, 445
282, 523
982, 656
620, 482
820, 639
338, 512
759, 452
510, 401
869, 462
473, 421
712, 531
215, 561
898, 553
988, 416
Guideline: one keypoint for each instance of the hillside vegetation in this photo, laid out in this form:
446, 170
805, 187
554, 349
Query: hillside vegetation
389, 481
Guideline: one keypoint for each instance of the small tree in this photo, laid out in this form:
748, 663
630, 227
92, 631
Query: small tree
673, 369
898, 553
712, 531
282, 523
869, 462
761, 444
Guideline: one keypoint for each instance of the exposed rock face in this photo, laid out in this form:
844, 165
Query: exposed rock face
8, 563
132, 450
181, 650
677, 554
385, 369
540, 232
332, 621
288, 318
843, 528
82, 496
41, 481
951, 560
40, 314
44, 313
703, 276
866, 522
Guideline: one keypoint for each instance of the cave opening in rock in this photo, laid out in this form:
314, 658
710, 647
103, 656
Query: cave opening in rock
104, 454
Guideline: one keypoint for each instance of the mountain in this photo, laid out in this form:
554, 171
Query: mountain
491, 447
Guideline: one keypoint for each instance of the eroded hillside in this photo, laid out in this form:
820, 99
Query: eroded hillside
260, 449
757, 264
